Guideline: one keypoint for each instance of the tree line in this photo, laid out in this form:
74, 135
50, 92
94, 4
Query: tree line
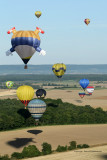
52, 77
32, 151
13, 115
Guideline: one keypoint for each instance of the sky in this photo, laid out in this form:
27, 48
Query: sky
67, 39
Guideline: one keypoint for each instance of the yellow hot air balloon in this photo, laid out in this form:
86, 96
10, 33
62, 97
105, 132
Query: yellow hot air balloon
59, 69
25, 94
38, 14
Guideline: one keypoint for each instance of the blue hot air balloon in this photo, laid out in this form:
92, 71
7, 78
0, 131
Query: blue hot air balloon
36, 108
84, 83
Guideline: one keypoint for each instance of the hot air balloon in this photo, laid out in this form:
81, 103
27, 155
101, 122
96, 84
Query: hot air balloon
90, 89
25, 43
59, 69
41, 93
25, 94
36, 107
9, 84
87, 21
81, 94
84, 83
38, 14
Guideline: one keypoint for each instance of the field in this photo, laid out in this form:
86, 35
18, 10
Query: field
14, 141
96, 153
98, 99
94, 135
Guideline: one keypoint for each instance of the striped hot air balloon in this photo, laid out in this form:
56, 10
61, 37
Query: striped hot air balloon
25, 43
90, 89
59, 69
81, 94
36, 107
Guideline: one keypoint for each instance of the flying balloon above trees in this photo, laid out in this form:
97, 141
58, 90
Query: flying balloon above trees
25, 94
25, 43
36, 107
59, 69
41, 93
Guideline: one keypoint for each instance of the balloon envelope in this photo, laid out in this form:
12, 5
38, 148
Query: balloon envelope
90, 89
41, 93
36, 107
25, 94
81, 94
84, 83
25, 43
9, 84
87, 21
59, 69
38, 14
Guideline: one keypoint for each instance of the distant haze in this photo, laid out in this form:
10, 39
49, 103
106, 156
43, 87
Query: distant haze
47, 69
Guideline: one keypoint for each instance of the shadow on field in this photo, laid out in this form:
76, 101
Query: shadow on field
34, 131
24, 113
103, 157
52, 105
79, 101
19, 142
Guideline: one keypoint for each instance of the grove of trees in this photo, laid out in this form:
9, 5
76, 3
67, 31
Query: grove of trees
13, 115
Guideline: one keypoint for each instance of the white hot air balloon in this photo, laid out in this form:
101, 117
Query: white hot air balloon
90, 89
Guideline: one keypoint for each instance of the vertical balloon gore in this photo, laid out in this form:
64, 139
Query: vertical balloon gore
25, 67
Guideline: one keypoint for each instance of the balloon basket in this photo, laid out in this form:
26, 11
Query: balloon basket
36, 124
25, 67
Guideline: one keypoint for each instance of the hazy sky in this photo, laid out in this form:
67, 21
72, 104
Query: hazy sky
67, 39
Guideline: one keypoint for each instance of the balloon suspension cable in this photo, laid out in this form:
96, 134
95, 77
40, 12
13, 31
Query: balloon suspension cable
25, 67
59, 82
